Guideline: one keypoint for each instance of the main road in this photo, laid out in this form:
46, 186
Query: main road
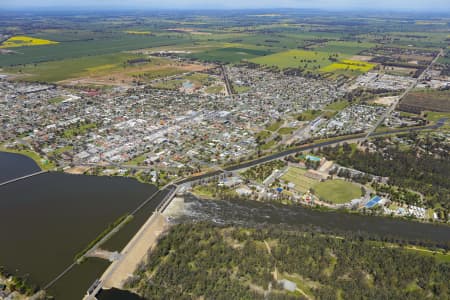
403, 95
308, 147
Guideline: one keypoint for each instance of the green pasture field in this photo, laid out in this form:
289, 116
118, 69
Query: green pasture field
54, 71
344, 47
85, 48
310, 60
337, 191
228, 54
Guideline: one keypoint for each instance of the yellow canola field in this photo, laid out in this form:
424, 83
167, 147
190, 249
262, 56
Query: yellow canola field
347, 64
22, 41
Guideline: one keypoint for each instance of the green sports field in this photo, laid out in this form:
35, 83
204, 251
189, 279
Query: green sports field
337, 191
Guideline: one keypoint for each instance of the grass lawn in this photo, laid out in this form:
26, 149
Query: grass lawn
337, 106
308, 115
337, 191
56, 100
214, 89
309, 60
62, 150
268, 145
264, 134
75, 131
297, 177
241, 89
286, 130
137, 160
435, 116
275, 126
44, 164
203, 191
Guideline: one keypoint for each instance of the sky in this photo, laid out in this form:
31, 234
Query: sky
383, 5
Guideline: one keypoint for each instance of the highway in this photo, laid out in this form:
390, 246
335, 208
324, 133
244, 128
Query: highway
227, 81
353, 138
403, 95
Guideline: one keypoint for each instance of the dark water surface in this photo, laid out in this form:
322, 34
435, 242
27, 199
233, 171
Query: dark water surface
15, 165
252, 213
46, 220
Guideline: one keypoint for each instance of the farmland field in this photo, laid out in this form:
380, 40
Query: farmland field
349, 67
25, 41
228, 54
86, 47
59, 70
429, 100
109, 69
309, 60
344, 47
337, 191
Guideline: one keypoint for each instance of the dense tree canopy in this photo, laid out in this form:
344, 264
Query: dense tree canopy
204, 260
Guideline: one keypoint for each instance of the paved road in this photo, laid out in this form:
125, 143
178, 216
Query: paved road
227, 81
403, 95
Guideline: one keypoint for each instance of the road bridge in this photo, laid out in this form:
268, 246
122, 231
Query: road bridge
22, 178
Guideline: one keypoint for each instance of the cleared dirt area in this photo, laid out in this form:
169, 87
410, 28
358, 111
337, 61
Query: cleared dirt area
432, 100
188, 30
387, 101
78, 170
365, 58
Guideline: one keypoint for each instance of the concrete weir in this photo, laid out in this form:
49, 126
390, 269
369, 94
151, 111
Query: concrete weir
136, 249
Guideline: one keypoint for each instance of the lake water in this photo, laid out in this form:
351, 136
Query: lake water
47, 219
15, 166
